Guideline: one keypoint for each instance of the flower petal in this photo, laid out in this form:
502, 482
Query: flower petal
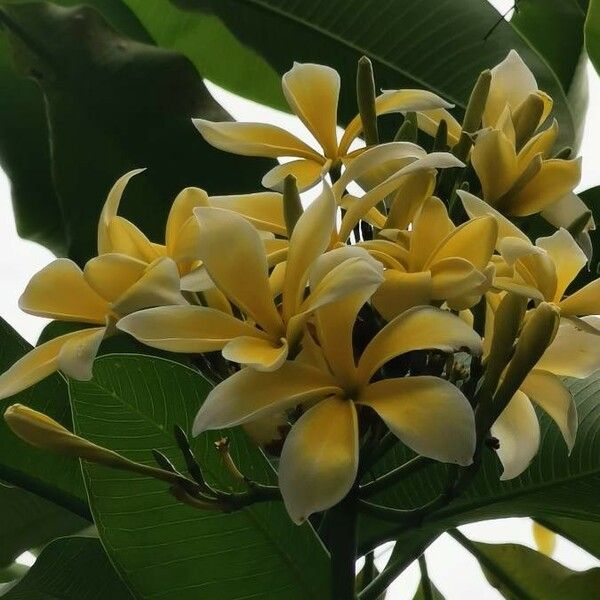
455, 277
319, 462
255, 352
430, 227
126, 238
43, 360
494, 159
111, 274
307, 173
566, 211
253, 139
60, 291
585, 301
476, 207
110, 210
77, 354
181, 211
191, 329
263, 209
251, 394
409, 198
429, 121
567, 256
518, 431
310, 238
312, 91
401, 291
234, 256
428, 414
549, 392
419, 328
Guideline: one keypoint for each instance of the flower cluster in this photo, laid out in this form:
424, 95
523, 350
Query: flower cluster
406, 298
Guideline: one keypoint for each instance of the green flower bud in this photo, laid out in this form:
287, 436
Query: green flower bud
526, 118
292, 205
365, 96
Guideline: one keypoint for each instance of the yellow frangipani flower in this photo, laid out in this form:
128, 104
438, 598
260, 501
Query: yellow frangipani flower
234, 255
435, 262
312, 92
110, 286
319, 460
542, 271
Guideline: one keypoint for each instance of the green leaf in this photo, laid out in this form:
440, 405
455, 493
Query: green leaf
49, 475
554, 485
592, 33
12, 572
114, 104
203, 38
28, 521
73, 568
131, 406
440, 45
586, 534
521, 573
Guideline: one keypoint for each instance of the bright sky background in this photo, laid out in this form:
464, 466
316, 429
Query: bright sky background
453, 570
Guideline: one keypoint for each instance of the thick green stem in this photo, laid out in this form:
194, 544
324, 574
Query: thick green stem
343, 530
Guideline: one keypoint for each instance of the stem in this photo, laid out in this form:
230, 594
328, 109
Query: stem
343, 530
425, 582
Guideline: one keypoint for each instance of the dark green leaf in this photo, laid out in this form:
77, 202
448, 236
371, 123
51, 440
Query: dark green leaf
521, 573
46, 474
27, 521
114, 104
131, 406
12, 572
437, 44
586, 534
554, 485
73, 568
592, 33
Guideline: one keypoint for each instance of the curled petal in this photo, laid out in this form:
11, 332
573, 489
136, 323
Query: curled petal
307, 173
181, 211
419, 328
249, 394
566, 211
312, 92
401, 291
518, 432
455, 277
191, 329
111, 275
253, 139
60, 291
256, 352
44, 360
428, 414
126, 238
319, 461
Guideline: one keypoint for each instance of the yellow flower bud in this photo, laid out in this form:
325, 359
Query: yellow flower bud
527, 117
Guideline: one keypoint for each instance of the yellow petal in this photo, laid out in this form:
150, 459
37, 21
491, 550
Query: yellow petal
59, 291
253, 139
126, 238
430, 227
518, 432
409, 198
111, 275
512, 82
185, 247
585, 301
312, 92
197, 280
549, 393
428, 414
554, 180
307, 173
192, 329
401, 291
258, 353
110, 210
181, 211
573, 353
545, 540
393, 101
234, 256
566, 211
311, 237
429, 121
77, 354
420, 328
455, 277
263, 209
249, 394
567, 256
495, 162
542, 144
158, 286
319, 462
41, 362
476, 207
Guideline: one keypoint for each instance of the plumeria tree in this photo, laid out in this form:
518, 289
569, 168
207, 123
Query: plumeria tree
245, 389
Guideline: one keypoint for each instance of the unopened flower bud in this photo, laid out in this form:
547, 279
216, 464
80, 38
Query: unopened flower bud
365, 96
292, 205
527, 118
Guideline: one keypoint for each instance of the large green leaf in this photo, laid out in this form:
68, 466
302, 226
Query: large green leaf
73, 568
114, 104
521, 573
586, 534
554, 485
162, 548
592, 33
27, 521
44, 473
437, 44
